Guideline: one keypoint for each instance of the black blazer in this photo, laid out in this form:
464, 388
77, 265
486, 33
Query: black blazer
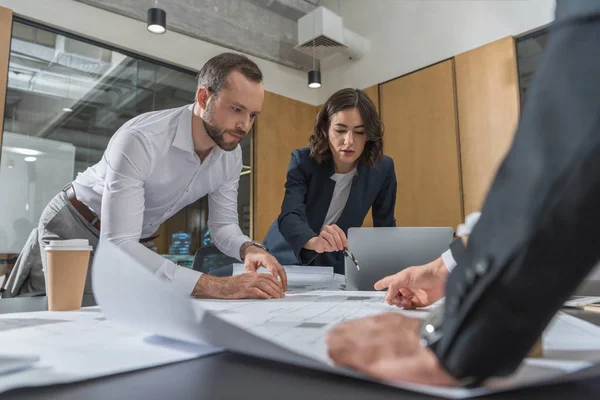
308, 193
537, 237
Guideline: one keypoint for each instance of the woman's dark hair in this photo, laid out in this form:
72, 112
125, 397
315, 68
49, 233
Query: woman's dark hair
342, 100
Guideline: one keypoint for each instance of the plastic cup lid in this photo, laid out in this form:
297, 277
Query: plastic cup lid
72, 244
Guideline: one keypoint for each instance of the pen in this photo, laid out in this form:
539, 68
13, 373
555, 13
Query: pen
348, 254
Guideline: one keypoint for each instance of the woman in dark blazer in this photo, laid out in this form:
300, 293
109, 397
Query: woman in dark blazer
332, 184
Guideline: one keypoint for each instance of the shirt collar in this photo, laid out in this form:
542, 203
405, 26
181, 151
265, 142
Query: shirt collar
183, 136
348, 175
359, 170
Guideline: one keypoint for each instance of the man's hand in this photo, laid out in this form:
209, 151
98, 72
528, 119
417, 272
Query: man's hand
255, 257
387, 347
250, 285
416, 286
331, 238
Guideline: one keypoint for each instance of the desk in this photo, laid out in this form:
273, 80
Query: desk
233, 376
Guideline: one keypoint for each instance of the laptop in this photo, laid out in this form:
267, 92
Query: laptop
385, 251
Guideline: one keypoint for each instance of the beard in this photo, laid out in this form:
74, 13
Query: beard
216, 133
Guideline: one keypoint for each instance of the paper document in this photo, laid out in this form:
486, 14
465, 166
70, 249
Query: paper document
570, 338
290, 330
78, 345
300, 277
581, 301
301, 321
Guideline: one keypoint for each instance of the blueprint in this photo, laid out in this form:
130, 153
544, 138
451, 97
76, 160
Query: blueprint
78, 345
292, 329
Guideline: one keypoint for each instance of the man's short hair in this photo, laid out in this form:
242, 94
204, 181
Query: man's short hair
214, 73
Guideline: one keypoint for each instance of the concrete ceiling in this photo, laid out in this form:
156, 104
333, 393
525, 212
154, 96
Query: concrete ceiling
262, 28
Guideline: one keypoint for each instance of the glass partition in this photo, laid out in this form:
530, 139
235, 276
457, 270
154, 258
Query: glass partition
66, 97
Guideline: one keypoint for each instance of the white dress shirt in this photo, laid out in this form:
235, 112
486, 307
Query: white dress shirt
149, 172
462, 230
341, 192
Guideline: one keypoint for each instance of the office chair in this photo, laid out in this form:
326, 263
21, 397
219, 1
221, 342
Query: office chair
209, 260
278, 246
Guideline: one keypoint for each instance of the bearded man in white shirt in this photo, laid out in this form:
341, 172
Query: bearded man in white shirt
155, 165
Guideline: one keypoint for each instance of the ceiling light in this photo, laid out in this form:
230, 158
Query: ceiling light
30, 159
314, 76
314, 79
67, 109
22, 151
157, 20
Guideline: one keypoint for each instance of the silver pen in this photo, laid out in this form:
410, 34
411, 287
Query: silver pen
348, 254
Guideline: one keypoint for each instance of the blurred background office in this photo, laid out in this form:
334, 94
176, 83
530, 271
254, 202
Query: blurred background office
448, 78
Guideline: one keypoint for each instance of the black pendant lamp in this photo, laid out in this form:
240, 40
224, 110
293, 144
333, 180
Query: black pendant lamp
157, 20
314, 79
314, 76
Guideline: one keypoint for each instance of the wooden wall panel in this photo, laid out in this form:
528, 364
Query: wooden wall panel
488, 110
6, 17
283, 126
419, 114
373, 93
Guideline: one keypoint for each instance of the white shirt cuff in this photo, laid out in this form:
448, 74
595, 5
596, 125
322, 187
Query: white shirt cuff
448, 260
470, 222
181, 278
185, 279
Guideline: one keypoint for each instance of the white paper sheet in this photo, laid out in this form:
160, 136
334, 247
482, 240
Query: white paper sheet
129, 294
580, 301
79, 345
300, 321
289, 330
300, 278
339, 282
571, 338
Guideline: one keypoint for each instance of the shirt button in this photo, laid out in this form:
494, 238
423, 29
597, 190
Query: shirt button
453, 305
469, 276
481, 267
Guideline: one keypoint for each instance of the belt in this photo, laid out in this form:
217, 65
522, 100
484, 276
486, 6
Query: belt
88, 215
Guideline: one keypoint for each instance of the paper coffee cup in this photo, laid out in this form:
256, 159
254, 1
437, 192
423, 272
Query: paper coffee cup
66, 271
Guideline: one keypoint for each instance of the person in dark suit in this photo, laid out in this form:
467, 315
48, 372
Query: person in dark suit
332, 184
536, 239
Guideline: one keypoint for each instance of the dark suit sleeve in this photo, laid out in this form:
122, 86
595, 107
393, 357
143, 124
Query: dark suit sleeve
292, 221
385, 202
537, 238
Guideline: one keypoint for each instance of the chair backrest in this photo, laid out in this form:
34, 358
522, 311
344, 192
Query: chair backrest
279, 247
209, 257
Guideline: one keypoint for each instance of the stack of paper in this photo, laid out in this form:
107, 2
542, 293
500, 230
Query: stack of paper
586, 303
300, 277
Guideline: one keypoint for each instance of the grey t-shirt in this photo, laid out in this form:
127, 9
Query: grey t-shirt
341, 192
